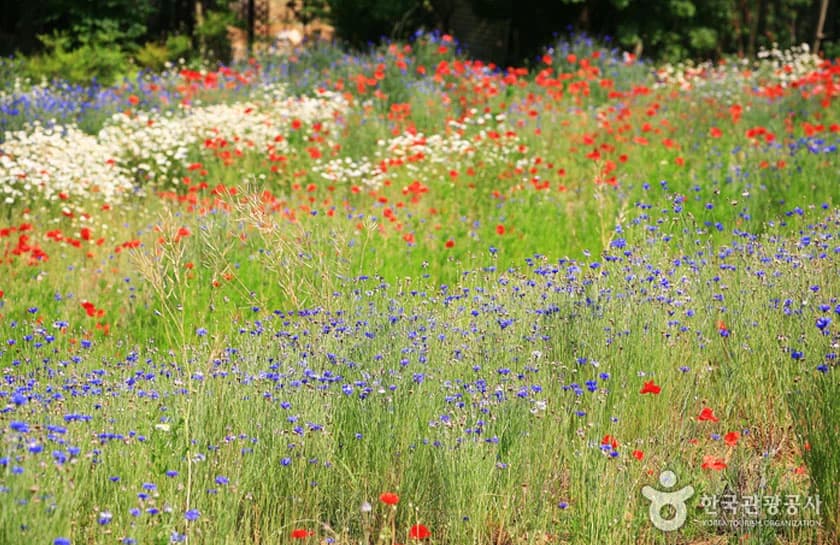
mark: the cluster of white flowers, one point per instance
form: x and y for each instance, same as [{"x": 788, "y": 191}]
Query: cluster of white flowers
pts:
[
  {"x": 773, "y": 66},
  {"x": 58, "y": 162},
  {"x": 352, "y": 171},
  {"x": 484, "y": 137},
  {"x": 16, "y": 87},
  {"x": 789, "y": 65},
  {"x": 63, "y": 161}
]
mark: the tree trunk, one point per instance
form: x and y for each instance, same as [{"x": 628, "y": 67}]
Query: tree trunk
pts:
[
  {"x": 199, "y": 20},
  {"x": 252, "y": 13},
  {"x": 736, "y": 25},
  {"x": 749, "y": 27},
  {"x": 761, "y": 26},
  {"x": 820, "y": 26}
]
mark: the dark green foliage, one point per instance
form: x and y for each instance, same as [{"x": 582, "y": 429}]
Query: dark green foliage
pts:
[
  {"x": 77, "y": 40},
  {"x": 212, "y": 35},
  {"x": 666, "y": 29},
  {"x": 361, "y": 21},
  {"x": 82, "y": 21},
  {"x": 92, "y": 49}
]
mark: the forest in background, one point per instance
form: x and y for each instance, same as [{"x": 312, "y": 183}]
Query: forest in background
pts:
[{"x": 81, "y": 39}]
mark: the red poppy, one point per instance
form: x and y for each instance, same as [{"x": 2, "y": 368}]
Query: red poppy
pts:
[
  {"x": 710, "y": 462},
  {"x": 731, "y": 438},
  {"x": 418, "y": 531},
  {"x": 638, "y": 454},
  {"x": 707, "y": 414},
  {"x": 301, "y": 533},
  {"x": 610, "y": 440},
  {"x": 650, "y": 387},
  {"x": 389, "y": 498},
  {"x": 91, "y": 309},
  {"x": 450, "y": 243}
]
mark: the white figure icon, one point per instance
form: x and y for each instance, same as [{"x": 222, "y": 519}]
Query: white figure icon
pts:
[{"x": 676, "y": 498}]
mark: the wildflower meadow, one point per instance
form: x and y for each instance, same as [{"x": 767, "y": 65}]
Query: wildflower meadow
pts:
[{"x": 405, "y": 296}]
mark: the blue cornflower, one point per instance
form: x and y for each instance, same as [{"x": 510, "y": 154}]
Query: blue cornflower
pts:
[
  {"x": 192, "y": 514},
  {"x": 20, "y": 427}
]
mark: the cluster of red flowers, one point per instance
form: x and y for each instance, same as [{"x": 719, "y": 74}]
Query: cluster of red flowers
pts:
[{"x": 416, "y": 532}]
